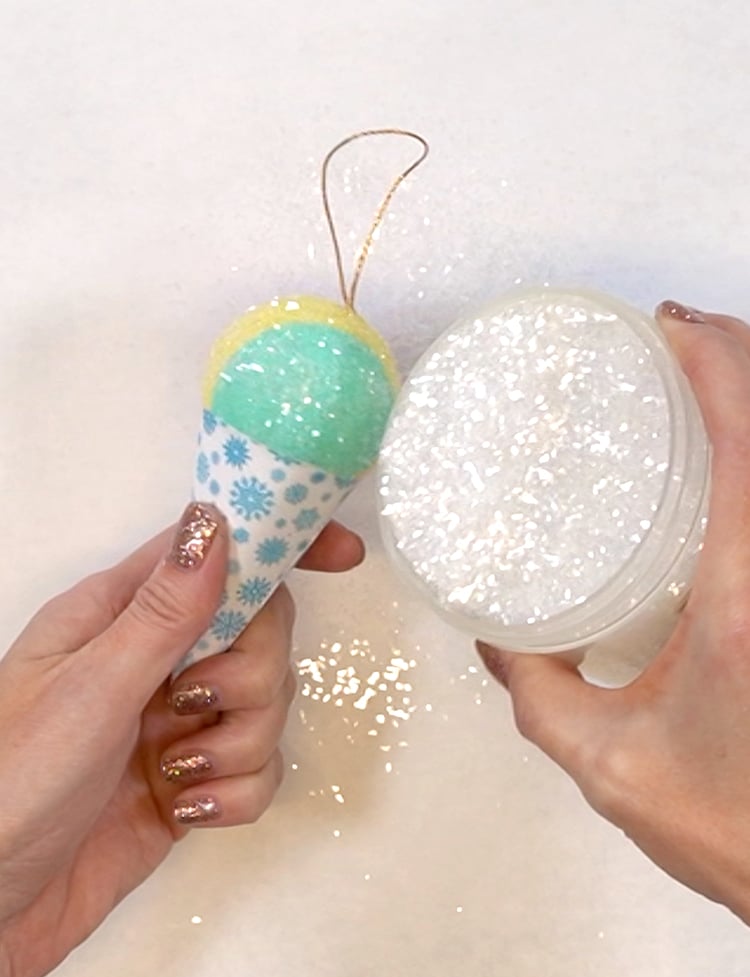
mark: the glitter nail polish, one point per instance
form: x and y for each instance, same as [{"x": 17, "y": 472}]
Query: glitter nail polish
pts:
[
  {"x": 197, "y": 810},
  {"x": 682, "y": 313},
  {"x": 194, "y": 535},
  {"x": 544, "y": 475},
  {"x": 189, "y": 700},
  {"x": 185, "y": 768}
]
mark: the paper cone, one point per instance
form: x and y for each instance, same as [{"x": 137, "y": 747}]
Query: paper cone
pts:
[{"x": 275, "y": 508}]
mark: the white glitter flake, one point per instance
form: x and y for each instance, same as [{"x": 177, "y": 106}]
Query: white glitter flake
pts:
[{"x": 525, "y": 460}]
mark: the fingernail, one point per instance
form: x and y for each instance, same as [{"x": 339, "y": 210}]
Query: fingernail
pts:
[
  {"x": 493, "y": 662},
  {"x": 194, "y": 535},
  {"x": 192, "y": 699},
  {"x": 682, "y": 313},
  {"x": 198, "y": 810},
  {"x": 183, "y": 768}
]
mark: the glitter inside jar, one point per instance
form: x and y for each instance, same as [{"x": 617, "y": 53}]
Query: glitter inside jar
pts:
[{"x": 544, "y": 472}]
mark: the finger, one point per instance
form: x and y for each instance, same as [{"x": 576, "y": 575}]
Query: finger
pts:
[
  {"x": 169, "y": 611},
  {"x": 731, "y": 325},
  {"x": 76, "y": 616},
  {"x": 242, "y": 742},
  {"x": 718, "y": 369},
  {"x": 336, "y": 549},
  {"x": 553, "y": 706},
  {"x": 230, "y": 801},
  {"x": 250, "y": 674}
]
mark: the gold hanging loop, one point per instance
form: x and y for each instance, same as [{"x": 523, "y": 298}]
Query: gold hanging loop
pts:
[{"x": 348, "y": 294}]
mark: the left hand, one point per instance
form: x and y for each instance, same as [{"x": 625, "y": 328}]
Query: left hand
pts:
[{"x": 103, "y": 766}]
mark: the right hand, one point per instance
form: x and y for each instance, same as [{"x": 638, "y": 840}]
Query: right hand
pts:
[{"x": 667, "y": 759}]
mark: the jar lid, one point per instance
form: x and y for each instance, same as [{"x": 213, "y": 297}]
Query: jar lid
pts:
[{"x": 527, "y": 462}]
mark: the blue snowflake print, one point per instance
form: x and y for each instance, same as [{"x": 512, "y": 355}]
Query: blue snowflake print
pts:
[
  {"x": 307, "y": 518},
  {"x": 278, "y": 475},
  {"x": 303, "y": 545},
  {"x": 280, "y": 523},
  {"x": 202, "y": 645},
  {"x": 224, "y": 598},
  {"x": 215, "y": 457},
  {"x": 233, "y": 567},
  {"x": 296, "y": 493},
  {"x": 214, "y": 488},
  {"x": 254, "y": 591},
  {"x": 236, "y": 451},
  {"x": 271, "y": 550},
  {"x": 202, "y": 468},
  {"x": 317, "y": 477},
  {"x": 228, "y": 624},
  {"x": 326, "y": 498},
  {"x": 209, "y": 422},
  {"x": 240, "y": 535},
  {"x": 343, "y": 483},
  {"x": 251, "y": 498}
]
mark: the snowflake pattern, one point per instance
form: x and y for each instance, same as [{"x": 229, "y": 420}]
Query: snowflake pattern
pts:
[
  {"x": 274, "y": 508},
  {"x": 202, "y": 468},
  {"x": 228, "y": 624},
  {"x": 272, "y": 550},
  {"x": 251, "y": 498},
  {"x": 236, "y": 451},
  {"x": 306, "y": 518},
  {"x": 296, "y": 493},
  {"x": 254, "y": 591}
]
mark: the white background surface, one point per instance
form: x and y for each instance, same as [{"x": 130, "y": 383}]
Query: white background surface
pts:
[{"x": 157, "y": 176}]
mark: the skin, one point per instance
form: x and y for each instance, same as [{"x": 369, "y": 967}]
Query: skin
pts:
[
  {"x": 86, "y": 721},
  {"x": 667, "y": 759}
]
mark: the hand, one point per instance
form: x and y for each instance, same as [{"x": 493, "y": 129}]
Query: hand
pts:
[
  {"x": 102, "y": 766},
  {"x": 667, "y": 759}
]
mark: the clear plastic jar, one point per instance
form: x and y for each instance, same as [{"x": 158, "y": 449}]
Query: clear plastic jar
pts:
[{"x": 544, "y": 476}]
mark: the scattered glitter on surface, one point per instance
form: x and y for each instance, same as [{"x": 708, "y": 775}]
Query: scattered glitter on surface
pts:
[{"x": 352, "y": 679}]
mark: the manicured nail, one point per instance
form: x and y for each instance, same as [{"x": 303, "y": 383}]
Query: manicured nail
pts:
[
  {"x": 198, "y": 810},
  {"x": 493, "y": 662},
  {"x": 192, "y": 699},
  {"x": 194, "y": 535},
  {"x": 682, "y": 313},
  {"x": 184, "y": 768}
]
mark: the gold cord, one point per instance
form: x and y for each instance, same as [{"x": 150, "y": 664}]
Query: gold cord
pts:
[{"x": 349, "y": 294}]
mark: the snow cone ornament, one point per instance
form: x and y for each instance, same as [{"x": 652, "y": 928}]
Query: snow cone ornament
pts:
[{"x": 296, "y": 398}]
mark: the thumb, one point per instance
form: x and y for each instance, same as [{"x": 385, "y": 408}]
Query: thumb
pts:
[
  {"x": 552, "y": 704},
  {"x": 170, "y": 610}
]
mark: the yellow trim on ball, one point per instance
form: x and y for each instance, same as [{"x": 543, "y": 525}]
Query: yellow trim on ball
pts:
[{"x": 281, "y": 312}]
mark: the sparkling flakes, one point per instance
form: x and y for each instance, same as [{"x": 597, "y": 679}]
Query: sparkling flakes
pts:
[
  {"x": 354, "y": 681},
  {"x": 526, "y": 458}
]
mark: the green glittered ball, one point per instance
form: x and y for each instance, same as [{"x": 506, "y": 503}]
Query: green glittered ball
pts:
[{"x": 310, "y": 391}]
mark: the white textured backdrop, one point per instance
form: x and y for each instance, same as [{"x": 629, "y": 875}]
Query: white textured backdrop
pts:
[{"x": 157, "y": 175}]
